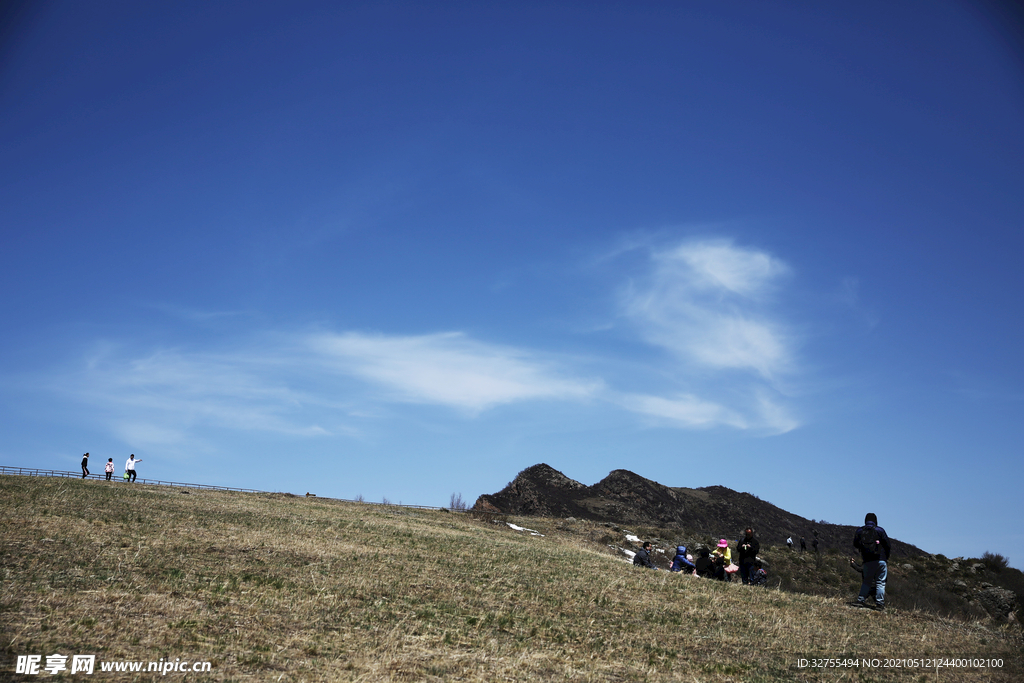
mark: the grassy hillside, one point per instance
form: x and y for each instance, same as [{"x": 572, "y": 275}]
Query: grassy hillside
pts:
[
  {"x": 929, "y": 583},
  {"x": 273, "y": 587}
]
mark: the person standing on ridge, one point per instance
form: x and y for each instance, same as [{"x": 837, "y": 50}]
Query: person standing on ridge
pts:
[
  {"x": 873, "y": 544},
  {"x": 748, "y": 549},
  {"x": 109, "y": 468},
  {"x": 85, "y": 466},
  {"x": 129, "y": 467},
  {"x": 803, "y": 544}
]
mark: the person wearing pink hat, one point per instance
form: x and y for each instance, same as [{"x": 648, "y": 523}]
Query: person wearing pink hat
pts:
[{"x": 724, "y": 551}]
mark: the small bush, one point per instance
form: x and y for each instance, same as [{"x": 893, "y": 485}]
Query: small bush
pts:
[
  {"x": 456, "y": 503},
  {"x": 994, "y": 561}
]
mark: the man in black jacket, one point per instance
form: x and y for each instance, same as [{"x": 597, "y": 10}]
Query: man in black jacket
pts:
[
  {"x": 748, "y": 548},
  {"x": 873, "y": 544},
  {"x": 643, "y": 556}
]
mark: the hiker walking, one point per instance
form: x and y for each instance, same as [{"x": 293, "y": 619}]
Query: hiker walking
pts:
[
  {"x": 873, "y": 544},
  {"x": 129, "y": 467},
  {"x": 803, "y": 544},
  {"x": 85, "y": 466},
  {"x": 789, "y": 542},
  {"x": 109, "y": 468}
]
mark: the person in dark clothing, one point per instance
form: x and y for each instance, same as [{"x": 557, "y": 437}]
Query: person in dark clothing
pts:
[
  {"x": 679, "y": 562},
  {"x": 803, "y": 545},
  {"x": 814, "y": 543},
  {"x": 748, "y": 548},
  {"x": 643, "y": 556},
  {"x": 704, "y": 565},
  {"x": 859, "y": 568},
  {"x": 85, "y": 466},
  {"x": 718, "y": 568},
  {"x": 758, "y": 576},
  {"x": 873, "y": 544}
]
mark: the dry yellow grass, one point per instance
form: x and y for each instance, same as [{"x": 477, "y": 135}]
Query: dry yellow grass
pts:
[{"x": 278, "y": 588}]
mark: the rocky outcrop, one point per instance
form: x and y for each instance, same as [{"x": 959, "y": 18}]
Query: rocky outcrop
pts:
[
  {"x": 540, "y": 490},
  {"x": 624, "y": 497},
  {"x": 1000, "y": 603}
]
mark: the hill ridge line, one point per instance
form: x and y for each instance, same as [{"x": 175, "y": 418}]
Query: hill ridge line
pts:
[
  {"x": 625, "y": 497},
  {"x": 65, "y": 474}
]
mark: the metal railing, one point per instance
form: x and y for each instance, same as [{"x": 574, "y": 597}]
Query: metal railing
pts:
[{"x": 32, "y": 472}]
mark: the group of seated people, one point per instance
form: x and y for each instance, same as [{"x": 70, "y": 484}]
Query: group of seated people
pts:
[{"x": 716, "y": 564}]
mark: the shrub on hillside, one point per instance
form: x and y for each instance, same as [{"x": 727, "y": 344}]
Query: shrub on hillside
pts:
[
  {"x": 457, "y": 503},
  {"x": 994, "y": 561}
]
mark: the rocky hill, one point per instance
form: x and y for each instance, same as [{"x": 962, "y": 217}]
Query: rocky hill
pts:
[{"x": 624, "y": 497}]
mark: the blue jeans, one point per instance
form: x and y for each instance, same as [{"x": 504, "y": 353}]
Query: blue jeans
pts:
[{"x": 873, "y": 581}]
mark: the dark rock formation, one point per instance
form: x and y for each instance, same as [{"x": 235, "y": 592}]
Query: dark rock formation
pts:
[
  {"x": 1000, "y": 603},
  {"x": 624, "y": 497}
]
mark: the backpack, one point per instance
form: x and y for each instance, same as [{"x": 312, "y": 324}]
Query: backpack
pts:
[{"x": 870, "y": 541}]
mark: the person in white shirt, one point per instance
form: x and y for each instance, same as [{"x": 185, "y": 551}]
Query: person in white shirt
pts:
[{"x": 129, "y": 466}]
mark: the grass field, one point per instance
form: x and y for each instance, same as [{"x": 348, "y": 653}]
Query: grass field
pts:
[{"x": 270, "y": 587}]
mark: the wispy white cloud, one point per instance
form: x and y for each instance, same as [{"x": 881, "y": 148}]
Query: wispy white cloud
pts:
[
  {"x": 709, "y": 304},
  {"x": 448, "y": 369},
  {"x": 755, "y": 411},
  {"x": 771, "y": 415},
  {"x": 161, "y": 397},
  {"x": 683, "y": 410},
  {"x": 297, "y": 383}
]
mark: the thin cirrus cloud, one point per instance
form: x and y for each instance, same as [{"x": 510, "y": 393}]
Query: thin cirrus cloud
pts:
[
  {"x": 684, "y": 410},
  {"x": 164, "y": 397},
  {"x": 708, "y": 303},
  {"x": 448, "y": 369},
  {"x": 302, "y": 381}
]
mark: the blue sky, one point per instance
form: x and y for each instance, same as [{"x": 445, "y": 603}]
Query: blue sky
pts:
[{"x": 403, "y": 250}]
